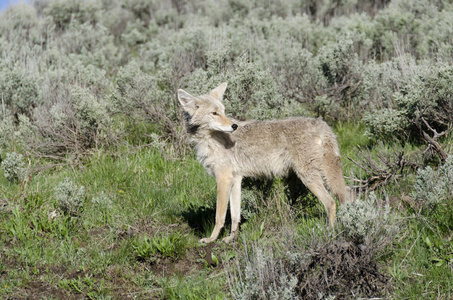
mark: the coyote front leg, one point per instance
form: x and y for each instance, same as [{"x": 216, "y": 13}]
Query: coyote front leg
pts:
[
  {"x": 235, "y": 209},
  {"x": 224, "y": 183}
]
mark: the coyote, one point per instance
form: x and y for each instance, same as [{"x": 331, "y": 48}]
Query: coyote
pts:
[{"x": 231, "y": 150}]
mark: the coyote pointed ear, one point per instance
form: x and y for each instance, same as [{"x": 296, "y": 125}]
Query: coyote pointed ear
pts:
[
  {"x": 187, "y": 101},
  {"x": 219, "y": 91}
]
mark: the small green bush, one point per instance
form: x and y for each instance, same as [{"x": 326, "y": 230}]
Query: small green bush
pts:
[
  {"x": 386, "y": 123},
  {"x": 434, "y": 194},
  {"x": 19, "y": 90},
  {"x": 14, "y": 167},
  {"x": 262, "y": 277},
  {"x": 102, "y": 201},
  {"x": 6, "y": 129},
  {"x": 69, "y": 197},
  {"x": 361, "y": 220}
]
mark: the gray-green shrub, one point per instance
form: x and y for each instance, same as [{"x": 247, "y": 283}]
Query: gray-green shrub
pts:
[
  {"x": 433, "y": 194},
  {"x": 69, "y": 197},
  {"x": 362, "y": 219},
  {"x": 77, "y": 122},
  {"x": 421, "y": 103},
  {"x": 14, "y": 167},
  {"x": 331, "y": 59},
  {"x": 434, "y": 187},
  {"x": 102, "y": 201},
  {"x": 261, "y": 276},
  {"x": 6, "y": 129},
  {"x": 19, "y": 90}
]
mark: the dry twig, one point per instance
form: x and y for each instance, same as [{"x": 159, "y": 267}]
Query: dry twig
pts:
[{"x": 381, "y": 170}]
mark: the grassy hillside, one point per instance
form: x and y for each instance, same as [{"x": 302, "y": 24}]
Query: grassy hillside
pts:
[{"x": 101, "y": 196}]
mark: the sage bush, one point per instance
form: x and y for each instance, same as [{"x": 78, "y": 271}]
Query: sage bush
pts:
[
  {"x": 433, "y": 195},
  {"x": 69, "y": 197},
  {"x": 340, "y": 61},
  {"x": 13, "y": 167}
]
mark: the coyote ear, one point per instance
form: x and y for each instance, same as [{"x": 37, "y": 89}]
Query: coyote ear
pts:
[
  {"x": 184, "y": 97},
  {"x": 187, "y": 101},
  {"x": 219, "y": 91}
]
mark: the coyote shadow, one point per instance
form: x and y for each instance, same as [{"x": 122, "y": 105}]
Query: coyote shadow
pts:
[
  {"x": 297, "y": 195},
  {"x": 202, "y": 218}
]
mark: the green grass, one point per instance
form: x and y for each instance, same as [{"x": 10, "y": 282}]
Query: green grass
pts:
[
  {"x": 125, "y": 197},
  {"x": 137, "y": 232}
]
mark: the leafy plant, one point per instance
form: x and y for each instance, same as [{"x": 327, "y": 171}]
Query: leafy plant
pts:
[
  {"x": 143, "y": 247},
  {"x": 172, "y": 245}
]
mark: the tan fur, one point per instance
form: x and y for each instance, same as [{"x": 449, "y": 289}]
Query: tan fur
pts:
[{"x": 231, "y": 150}]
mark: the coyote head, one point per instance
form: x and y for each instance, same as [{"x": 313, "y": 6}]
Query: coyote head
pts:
[{"x": 207, "y": 111}]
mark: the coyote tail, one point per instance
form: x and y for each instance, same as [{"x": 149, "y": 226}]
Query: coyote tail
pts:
[{"x": 333, "y": 174}]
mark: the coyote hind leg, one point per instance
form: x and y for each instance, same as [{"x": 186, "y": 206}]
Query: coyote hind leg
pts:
[{"x": 316, "y": 186}]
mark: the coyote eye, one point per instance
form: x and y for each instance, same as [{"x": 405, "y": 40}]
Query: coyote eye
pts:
[{"x": 214, "y": 113}]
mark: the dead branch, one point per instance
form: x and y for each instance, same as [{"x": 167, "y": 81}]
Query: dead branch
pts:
[
  {"x": 432, "y": 141},
  {"x": 382, "y": 168}
]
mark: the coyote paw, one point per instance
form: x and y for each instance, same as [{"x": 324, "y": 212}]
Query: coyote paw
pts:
[
  {"x": 206, "y": 240},
  {"x": 229, "y": 239}
]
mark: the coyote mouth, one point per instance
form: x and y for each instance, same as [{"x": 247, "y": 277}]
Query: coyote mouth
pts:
[{"x": 226, "y": 129}]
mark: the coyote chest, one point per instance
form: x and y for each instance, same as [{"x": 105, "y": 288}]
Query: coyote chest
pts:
[{"x": 214, "y": 152}]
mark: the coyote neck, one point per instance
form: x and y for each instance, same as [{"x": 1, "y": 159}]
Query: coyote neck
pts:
[{"x": 210, "y": 145}]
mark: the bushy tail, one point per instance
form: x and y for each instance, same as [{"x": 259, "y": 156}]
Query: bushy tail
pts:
[{"x": 333, "y": 173}]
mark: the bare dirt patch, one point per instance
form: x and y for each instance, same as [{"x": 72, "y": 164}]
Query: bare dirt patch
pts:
[{"x": 38, "y": 289}]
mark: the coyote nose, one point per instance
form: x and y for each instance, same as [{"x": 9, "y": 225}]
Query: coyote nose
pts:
[{"x": 234, "y": 126}]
